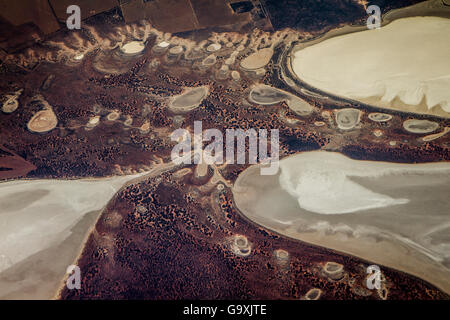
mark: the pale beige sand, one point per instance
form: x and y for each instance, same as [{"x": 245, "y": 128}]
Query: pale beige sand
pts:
[
  {"x": 112, "y": 116},
  {"x": 397, "y": 215},
  {"x": 163, "y": 44},
  {"x": 266, "y": 95},
  {"x": 435, "y": 136},
  {"x": 189, "y": 100},
  {"x": 209, "y": 61},
  {"x": 79, "y": 57},
  {"x": 257, "y": 60},
  {"x": 43, "y": 224},
  {"x": 313, "y": 294},
  {"x": 176, "y": 50},
  {"x": 12, "y": 103},
  {"x": 133, "y": 47},
  {"x": 201, "y": 170},
  {"x": 402, "y": 66},
  {"x": 379, "y": 117},
  {"x": 420, "y": 126},
  {"x": 40, "y": 275},
  {"x": 213, "y": 47},
  {"x": 43, "y": 121},
  {"x": 235, "y": 75},
  {"x": 348, "y": 118}
]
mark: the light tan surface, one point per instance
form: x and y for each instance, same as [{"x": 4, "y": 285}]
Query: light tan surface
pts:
[
  {"x": 257, "y": 60},
  {"x": 266, "y": 95},
  {"x": 299, "y": 106},
  {"x": 43, "y": 226},
  {"x": 201, "y": 170},
  {"x": 348, "y": 118},
  {"x": 43, "y": 121},
  {"x": 402, "y": 66},
  {"x": 189, "y": 100},
  {"x": 133, "y": 47},
  {"x": 88, "y": 7},
  {"x": 38, "y": 12},
  {"x": 11, "y": 104},
  {"x": 420, "y": 126},
  {"x": 435, "y": 136}
]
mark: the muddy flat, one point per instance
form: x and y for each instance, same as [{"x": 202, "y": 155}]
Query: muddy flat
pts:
[
  {"x": 44, "y": 225},
  {"x": 396, "y": 215},
  {"x": 402, "y": 66}
]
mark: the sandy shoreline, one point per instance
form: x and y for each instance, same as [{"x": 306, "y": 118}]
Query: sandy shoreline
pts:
[
  {"x": 409, "y": 236},
  {"x": 379, "y": 72}
]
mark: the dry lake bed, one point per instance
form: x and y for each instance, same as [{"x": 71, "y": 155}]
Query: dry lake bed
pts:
[{"x": 393, "y": 214}]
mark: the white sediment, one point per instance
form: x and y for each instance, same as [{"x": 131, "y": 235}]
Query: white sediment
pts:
[
  {"x": 213, "y": 47},
  {"x": 403, "y": 65},
  {"x": 133, "y": 47},
  {"x": 325, "y": 187},
  {"x": 392, "y": 214},
  {"x": 265, "y": 95}
]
